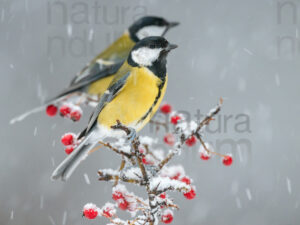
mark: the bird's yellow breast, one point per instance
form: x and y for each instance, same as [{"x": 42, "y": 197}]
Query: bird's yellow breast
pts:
[{"x": 135, "y": 99}]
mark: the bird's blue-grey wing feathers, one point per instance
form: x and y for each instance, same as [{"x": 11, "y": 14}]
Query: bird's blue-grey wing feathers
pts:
[{"x": 109, "y": 94}]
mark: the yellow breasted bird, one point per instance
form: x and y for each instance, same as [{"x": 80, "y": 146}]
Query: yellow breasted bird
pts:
[
  {"x": 98, "y": 74},
  {"x": 132, "y": 98},
  {"x": 95, "y": 78}
]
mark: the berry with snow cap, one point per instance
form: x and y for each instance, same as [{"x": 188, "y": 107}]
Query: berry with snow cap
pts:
[
  {"x": 68, "y": 139},
  {"x": 169, "y": 139},
  {"x": 108, "y": 210},
  {"x": 90, "y": 211},
  {"x": 191, "y": 141},
  {"x": 51, "y": 110},
  {"x": 176, "y": 176},
  {"x": 65, "y": 110},
  {"x": 117, "y": 195},
  {"x": 75, "y": 115},
  {"x": 147, "y": 161},
  {"x": 190, "y": 194},
  {"x": 123, "y": 204},
  {"x": 186, "y": 180},
  {"x": 167, "y": 216},
  {"x": 204, "y": 154},
  {"x": 166, "y": 108}
]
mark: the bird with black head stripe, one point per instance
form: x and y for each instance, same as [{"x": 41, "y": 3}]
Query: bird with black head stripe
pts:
[
  {"x": 94, "y": 79},
  {"x": 133, "y": 97}
]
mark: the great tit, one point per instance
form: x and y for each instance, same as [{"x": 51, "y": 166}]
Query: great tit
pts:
[
  {"x": 95, "y": 78},
  {"x": 133, "y": 97}
]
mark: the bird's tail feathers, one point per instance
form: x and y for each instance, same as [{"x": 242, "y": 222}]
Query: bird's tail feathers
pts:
[{"x": 67, "y": 167}]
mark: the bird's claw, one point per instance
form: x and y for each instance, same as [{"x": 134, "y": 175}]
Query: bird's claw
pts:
[{"x": 132, "y": 134}]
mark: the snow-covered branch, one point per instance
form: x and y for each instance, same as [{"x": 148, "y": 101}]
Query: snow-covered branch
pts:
[{"x": 144, "y": 164}]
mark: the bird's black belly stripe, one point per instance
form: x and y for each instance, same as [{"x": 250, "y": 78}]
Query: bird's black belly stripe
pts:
[{"x": 160, "y": 87}]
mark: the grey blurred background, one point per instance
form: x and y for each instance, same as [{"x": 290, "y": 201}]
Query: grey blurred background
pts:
[{"x": 245, "y": 51}]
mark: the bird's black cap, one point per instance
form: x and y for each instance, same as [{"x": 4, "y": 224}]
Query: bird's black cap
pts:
[{"x": 149, "y": 21}]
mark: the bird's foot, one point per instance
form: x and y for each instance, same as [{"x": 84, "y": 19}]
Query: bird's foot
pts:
[{"x": 131, "y": 134}]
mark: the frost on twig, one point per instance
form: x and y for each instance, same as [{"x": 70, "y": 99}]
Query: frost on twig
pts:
[{"x": 145, "y": 165}]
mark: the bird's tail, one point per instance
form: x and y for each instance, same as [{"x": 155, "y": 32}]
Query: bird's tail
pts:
[{"x": 67, "y": 167}]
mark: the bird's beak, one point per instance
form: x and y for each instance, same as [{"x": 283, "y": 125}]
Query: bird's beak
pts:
[
  {"x": 171, "y": 46},
  {"x": 173, "y": 24},
  {"x": 169, "y": 26}
]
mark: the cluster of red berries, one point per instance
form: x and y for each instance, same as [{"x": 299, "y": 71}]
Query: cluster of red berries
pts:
[
  {"x": 169, "y": 138},
  {"x": 120, "y": 195},
  {"x": 91, "y": 211},
  {"x": 67, "y": 110},
  {"x": 167, "y": 109},
  {"x": 70, "y": 141},
  {"x": 191, "y": 194},
  {"x": 108, "y": 210},
  {"x": 205, "y": 155}
]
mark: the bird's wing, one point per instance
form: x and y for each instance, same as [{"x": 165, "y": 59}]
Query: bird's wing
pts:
[
  {"x": 114, "y": 88},
  {"x": 95, "y": 74},
  {"x": 95, "y": 67}
]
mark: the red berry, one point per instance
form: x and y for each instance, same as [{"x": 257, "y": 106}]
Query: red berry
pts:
[
  {"x": 69, "y": 150},
  {"x": 108, "y": 210},
  {"x": 141, "y": 150},
  {"x": 65, "y": 110},
  {"x": 204, "y": 155},
  {"x": 186, "y": 180},
  {"x": 166, "y": 108},
  {"x": 51, "y": 110},
  {"x": 107, "y": 213},
  {"x": 117, "y": 195},
  {"x": 67, "y": 139},
  {"x": 146, "y": 162},
  {"x": 169, "y": 139},
  {"x": 167, "y": 217},
  {"x": 176, "y": 176},
  {"x": 123, "y": 204},
  {"x": 191, "y": 141},
  {"x": 175, "y": 119},
  {"x": 90, "y": 211},
  {"x": 191, "y": 194},
  {"x": 75, "y": 115},
  {"x": 163, "y": 195},
  {"x": 227, "y": 160}
]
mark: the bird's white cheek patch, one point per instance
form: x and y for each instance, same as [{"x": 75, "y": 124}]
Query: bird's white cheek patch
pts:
[{"x": 145, "y": 56}]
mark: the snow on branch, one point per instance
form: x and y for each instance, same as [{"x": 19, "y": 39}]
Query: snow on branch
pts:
[{"x": 144, "y": 164}]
